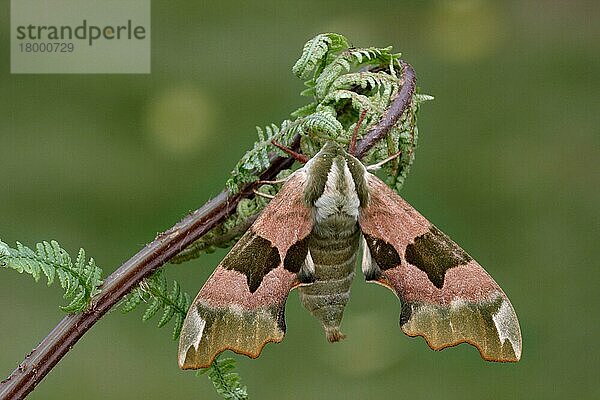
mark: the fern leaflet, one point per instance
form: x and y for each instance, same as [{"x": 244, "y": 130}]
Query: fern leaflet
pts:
[
  {"x": 154, "y": 291},
  {"x": 315, "y": 53},
  {"x": 226, "y": 382},
  {"x": 80, "y": 279}
]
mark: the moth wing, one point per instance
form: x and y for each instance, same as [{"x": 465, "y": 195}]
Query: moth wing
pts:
[
  {"x": 446, "y": 296},
  {"x": 241, "y": 306}
]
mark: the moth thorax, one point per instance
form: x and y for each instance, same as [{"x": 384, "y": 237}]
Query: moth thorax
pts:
[{"x": 339, "y": 198}]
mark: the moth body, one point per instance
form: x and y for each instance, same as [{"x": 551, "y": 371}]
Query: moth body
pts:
[{"x": 335, "y": 237}]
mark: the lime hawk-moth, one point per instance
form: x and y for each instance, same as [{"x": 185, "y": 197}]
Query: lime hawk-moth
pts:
[{"x": 309, "y": 237}]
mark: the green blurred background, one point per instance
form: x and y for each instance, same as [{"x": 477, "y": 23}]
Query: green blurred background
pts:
[{"x": 507, "y": 166}]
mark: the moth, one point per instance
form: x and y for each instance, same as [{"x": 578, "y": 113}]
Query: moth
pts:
[{"x": 309, "y": 237}]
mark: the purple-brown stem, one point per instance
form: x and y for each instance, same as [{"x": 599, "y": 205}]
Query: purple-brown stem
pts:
[
  {"x": 392, "y": 114},
  {"x": 71, "y": 328}
]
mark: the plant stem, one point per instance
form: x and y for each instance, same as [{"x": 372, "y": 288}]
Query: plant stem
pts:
[
  {"x": 71, "y": 328},
  {"x": 392, "y": 114}
]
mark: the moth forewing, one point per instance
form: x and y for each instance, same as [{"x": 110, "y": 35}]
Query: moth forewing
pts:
[
  {"x": 241, "y": 306},
  {"x": 447, "y": 297}
]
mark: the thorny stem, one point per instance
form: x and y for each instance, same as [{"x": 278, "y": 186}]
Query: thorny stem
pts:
[{"x": 71, "y": 328}]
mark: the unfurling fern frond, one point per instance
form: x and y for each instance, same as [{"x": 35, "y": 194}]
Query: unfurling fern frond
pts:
[
  {"x": 343, "y": 82},
  {"x": 226, "y": 382},
  {"x": 80, "y": 279},
  {"x": 315, "y": 52},
  {"x": 155, "y": 292}
]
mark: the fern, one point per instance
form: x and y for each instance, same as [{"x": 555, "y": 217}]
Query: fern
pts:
[
  {"x": 257, "y": 159},
  {"x": 315, "y": 53},
  {"x": 404, "y": 137},
  {"x": 226, "y": 382},
  {"x": 80, "y": 279},
  {"x": 343, "y": 83},
  {"x": 154, "y": 291}
]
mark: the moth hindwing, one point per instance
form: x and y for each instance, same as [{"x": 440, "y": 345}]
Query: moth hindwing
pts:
[{"x": 308, "y": 237}]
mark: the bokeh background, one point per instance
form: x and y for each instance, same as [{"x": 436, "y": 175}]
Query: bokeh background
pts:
[{"x": 507, "y": 165}]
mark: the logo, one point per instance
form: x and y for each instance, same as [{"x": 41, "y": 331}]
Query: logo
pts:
[{"x": 80, "y": 36}]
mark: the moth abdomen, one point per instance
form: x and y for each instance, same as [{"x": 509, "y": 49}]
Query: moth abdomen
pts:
[
  {"x": 327, "y": 286},
  {"x": 334, "y": 260}
]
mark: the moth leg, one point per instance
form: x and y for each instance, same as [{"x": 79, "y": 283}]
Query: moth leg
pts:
[
  {"x": 266, "y": 196},
  {"x": 381, "y": 163},
  {"x": 297, "y": 156},
  {"x": 275, "y": 182},
  {"x": 352, "y": 147}
]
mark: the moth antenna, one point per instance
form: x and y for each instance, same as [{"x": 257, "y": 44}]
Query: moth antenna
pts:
[
  {"x": 375, "y": 167},
  {"x": 297, "y": 156},
  {"x": 267, "y": 196},
  {"x": 352, "y": 147}
]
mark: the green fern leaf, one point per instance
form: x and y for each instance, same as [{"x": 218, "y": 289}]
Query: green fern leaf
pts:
[
  {"x": 315, "y": 51},
  {"x": 225, "y": 380},
  {"x": 168, "y": 313},
  {"x": 76, "y": 301},
  {"x": 131, "y": 301},
  {"x": 421, "y": 98},
  {"x": 151, "y": 311},
  {"x": 304, "y": 111},
  {"x": 154, "y": 290},
  {"x": 257, "y": 160},
  {"x": 80, "y": 281},
  {"x": 183, "y": 304},
  {"x": 330, "y": 73}
]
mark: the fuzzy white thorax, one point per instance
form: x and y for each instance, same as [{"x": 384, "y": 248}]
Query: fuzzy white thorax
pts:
[{"x": 338, "y": 198}]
